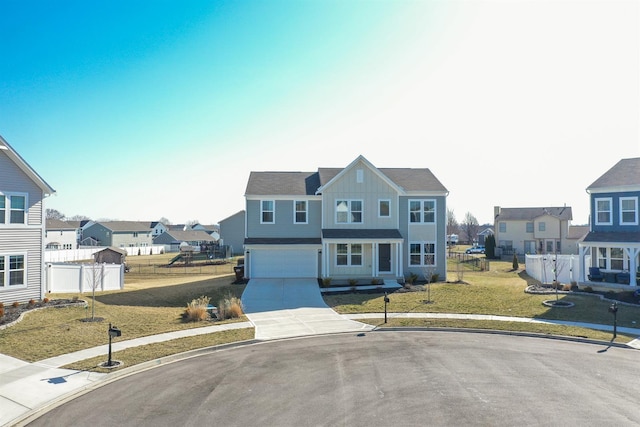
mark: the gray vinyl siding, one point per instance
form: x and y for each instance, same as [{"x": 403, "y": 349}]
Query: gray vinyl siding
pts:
[
  {"x": 12, "y": 179},
  {"x": 424, "y": 232},
  {"x": 28, "y": 241},
  {"x": 232, "y": 232},
  {"x": 284, "y": 226},
  {"x": 370, "y": 191},
  {"x": 100, "y": 233}
]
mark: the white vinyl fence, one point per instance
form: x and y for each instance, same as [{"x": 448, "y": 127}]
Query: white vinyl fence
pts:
[
  {"x": 71, "y": 278},
  {"x": 541, "y": 267},
  {"x": 67, "y": 255}
]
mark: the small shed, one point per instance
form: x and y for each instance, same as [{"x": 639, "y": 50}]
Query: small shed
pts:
[{"x": 110, "y": 255}]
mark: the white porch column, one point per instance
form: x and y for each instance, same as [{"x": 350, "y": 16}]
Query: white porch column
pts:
[
  {"x": 374, "y": 259},
  {"x": 583, "y": 267},
  {"x": 633, "y": 265}
]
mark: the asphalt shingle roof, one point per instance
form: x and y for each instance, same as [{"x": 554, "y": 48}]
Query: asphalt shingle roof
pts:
[
  {"x": 307, "y": 183},
  {"x": 624, "y": 173},
  {"x": 529, "y": 214}
]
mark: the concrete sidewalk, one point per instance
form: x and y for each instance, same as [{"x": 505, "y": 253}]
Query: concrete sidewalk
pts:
[{"x": 26, "y": 388}]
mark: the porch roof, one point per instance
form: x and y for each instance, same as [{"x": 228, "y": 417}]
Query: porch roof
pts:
[
  {"x": 356, "y": 233},
  {"x": 282, "y": 241},
  {"x": 612, "y": 237}
]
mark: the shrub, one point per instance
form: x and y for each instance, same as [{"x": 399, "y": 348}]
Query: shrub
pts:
[
  {"x": 45, "y": 300},
  {"x": 375, "y": 281},
  {"x": 588, "y": 289},
  {"x": 515, "y": 261},
  {"x": 1, "y": 304},
  {"x": 326, "y": 282},
  {"x": 229, "y": 307},
  {"x": 1, "y": 311},
  {"x": 434, "y": 277},
  {"x": 196, "y": 310},
  {"x": 15, "y": 304},
  {"x": 353, "y": 282},
  {"x": 411, "y": 278},
  {"x": 566, "y": 287},
  {"x": 32, "y": 302}
]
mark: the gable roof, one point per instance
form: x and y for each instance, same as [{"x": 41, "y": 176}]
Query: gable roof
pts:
[
  {"x": 186, "y": 236},
  {"x": 310, "y": 183},
  {"x": 625, "y": 173},
  {"x": 57, "y": 224},
  {"x": 126, "y": 226},
  {"x": 529, "y": 214},
  {"x": 24, "y": 166}
]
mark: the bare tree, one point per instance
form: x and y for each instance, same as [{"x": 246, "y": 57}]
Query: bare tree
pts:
[
  {"x": 470, "y": 226},
  {"x": 452, "y": 224},
  {"x": 78, "y": 218},
  {"x": 54, "y": 214},
  {"x": 95, "y": 278},
  {"x": 165, "y": 221}
]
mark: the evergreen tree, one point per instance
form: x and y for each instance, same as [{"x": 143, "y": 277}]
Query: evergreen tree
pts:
[{"x": 490, "y": 246}]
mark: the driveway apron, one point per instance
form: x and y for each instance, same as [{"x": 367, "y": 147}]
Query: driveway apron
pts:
[{"x": 285, "y": 308}]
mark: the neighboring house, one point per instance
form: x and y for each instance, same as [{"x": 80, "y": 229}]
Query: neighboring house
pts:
[
  {"x": 119, "y": 234},
  {"x": 212, "y": 230},
  {"x": 613, "y": 241},
  {"x": 485, "y": 231},
  {"x": 79, "y": 226},
  {"x": 173, "y": 240},
  {"x": 157, "y": 228},
  {"x": 341, "y": 223},
  {"x": 232, "y": 232},
  {"x": 542, "y": 230},
  {"x": 60, "y": 234},
  {"x": 22, "y": 228}
]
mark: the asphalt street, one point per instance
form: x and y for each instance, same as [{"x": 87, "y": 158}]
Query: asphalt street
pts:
[{"x": 376, "y": 378}]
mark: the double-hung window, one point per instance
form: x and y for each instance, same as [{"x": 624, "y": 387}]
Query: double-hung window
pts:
[
  {"x": 267, "y": 212},
  {"x": 422, "y": 253},
  {"x": 13, "y": 208},
  {"x": 628, "y": 211},
  {"x": 349, "y": 254},
  {"x": 603, "y": 211},
  {"x": 300, "y": 212},
  {"x": 422, "y": 211},
  {"x": 348, "y": 211},
  {"x": 12, "y": 268},
  {"x": 529, "y": 227},
  {"x": 384, "y": 208}
]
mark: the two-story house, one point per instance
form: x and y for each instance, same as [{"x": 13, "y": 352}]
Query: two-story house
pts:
[
  {"x": 119, "y": 234},
  {"x": 537, "y": 230},
  {"x": 60, "y": 235},
  {"x": 613, "y": 242},
  {"x": 340, "y": 223},
  {"x": 22, "y": 228}
]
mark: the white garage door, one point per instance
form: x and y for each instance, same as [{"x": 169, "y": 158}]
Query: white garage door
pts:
[{"x": 284, "y": 263}]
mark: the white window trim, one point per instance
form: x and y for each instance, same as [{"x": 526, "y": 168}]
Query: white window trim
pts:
[
  {"x": 595, "y": 207},
  {"x": 349, "y": 211},
  {"x": 7, "y": 210},
  {"x": 5, "y": 285},
  {"x": 422, "y": 253},
  {"x": 389, "y": 202},
  {"x": 349, "y": 254},
  {"x": 262, "y": 211},
  {"x": 422, "y": 202},
  {"x": 306, "y": 212},
  {"x": 635, "y": 211}
]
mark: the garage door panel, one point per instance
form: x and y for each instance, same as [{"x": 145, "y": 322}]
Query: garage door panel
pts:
[{"x": 283, "y": 263}]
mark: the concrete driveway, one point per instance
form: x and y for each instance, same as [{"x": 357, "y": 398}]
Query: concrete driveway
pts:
[{"x": 285, "y": 308}]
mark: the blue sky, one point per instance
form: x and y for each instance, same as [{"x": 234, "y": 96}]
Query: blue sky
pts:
[{"x": 137, "y": 110}]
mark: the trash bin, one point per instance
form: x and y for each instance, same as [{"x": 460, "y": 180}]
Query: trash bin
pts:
[{"x": 239, "y": 270}]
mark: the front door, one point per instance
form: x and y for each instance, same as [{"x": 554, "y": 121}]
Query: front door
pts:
[{"x": 384, "y": 257}]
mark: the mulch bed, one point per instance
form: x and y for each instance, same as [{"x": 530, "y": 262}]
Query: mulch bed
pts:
[{"x": 12, "y": 314}]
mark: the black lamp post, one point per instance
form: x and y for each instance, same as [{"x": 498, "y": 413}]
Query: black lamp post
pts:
[{"x": 386, "y": 301}]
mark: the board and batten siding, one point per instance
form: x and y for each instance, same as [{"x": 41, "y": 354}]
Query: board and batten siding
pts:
[
  {"x": 370, "y": 191},
  {"x": 27, "y": 241},
  {"x": 284, "y": 226}
]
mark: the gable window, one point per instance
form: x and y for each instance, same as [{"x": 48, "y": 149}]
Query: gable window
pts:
[
  {"x": 628, "y": 211},
  {"x": 300, "y": 214},
  {"x": 11, "y": 270},
  {"x": 603, "y": 211},
  {"x": 384, "y": 208},
  {"x": 349, "y": 254},
  {"x": 13, "y": 208},
  {"x": 359, "y": 176},
  {"x": 422, "y": 253},
  {"x": 502, "y": 227},
  {"x": 348, "y": 211},
  {"x": 542, "y": 226},
  {"x": 135, "y": 234},
  {"x": 422, "y": 211},
  {"x": 529, "y": 227},
  {"x": 267, "y": 214}
]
